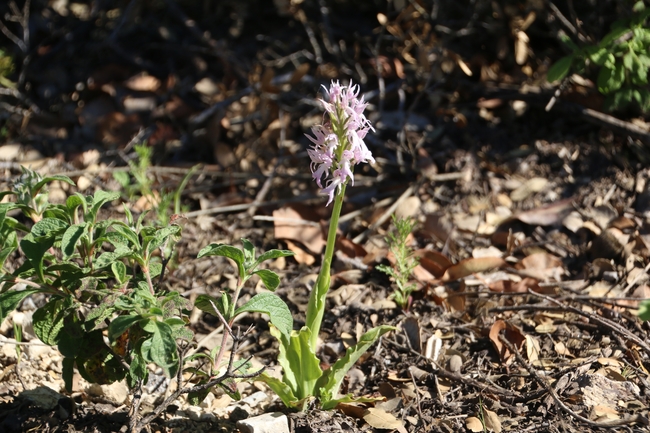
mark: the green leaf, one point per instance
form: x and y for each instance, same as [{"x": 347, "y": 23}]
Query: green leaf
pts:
[
  {"x": 128, "y": 233},
  {"x": 276, "y": 308},
  {"x": 599, "y": 55},
  {"x": 560, "y": 69},
  {"x": 195, "y": 398},
  {"x": 208, "y": 303},
  {"x": 7, "y": 246},
  {"x": 628, "y": 60},
  {"x": 280, "y": 388},
  {"x": 611, "y": 79},
  {"x": 300, "y": 365},
  {"x": 331, "y": 381},
  {"x": 74, "y": 201},
  {"x": 249, "y": 253},
  {"x": 273, "y": 254},
  {"x": 71, "y": 238},
  {"x": 612, "y": 36},
  {"x": 49, "y": 321},
  {"x": 123, "y": 178},
  {"x": 119, "y": 271},
  {"x": 108, "y": 258},
  {"x": 49, "y": 179},
  {"x": 644, "y": 310},
  {"x": 269, "y": 278},
  {"x": 68, "y": 373},
  {"x": 10, "y": 300},
  {"x": 223, "y": 250},
  {"x": 49, "y": 227},
  {"x": 121, "y": 324},
  {"x": 99, "y": 199},
  {"x": 35, "y": 251},
  {"x": 137, "y": 370},
  {"x": 163, "y": 347},
  {"x": 162, "y": 235}
]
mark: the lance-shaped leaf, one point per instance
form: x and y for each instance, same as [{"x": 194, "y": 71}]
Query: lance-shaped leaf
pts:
[
  {"x": 330, "y": 383},
  {"x": 272, "y": 254},
  {"x": 276, "y": 308},
  {"x": 71, "y": 238}
]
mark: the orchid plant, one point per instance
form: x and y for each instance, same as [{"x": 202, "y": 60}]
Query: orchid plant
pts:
[{"x": 338, "y": 146}]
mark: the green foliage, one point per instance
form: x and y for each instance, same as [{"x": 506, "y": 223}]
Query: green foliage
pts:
[
  {"x": 644, "y": 310},
  {"x": 623, "y": 57},
  {"x": 404, "y": 261},
  {"x": 96, "y": 272}
]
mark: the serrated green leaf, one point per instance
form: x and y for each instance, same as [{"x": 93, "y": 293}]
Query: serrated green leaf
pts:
[
  {"x": 331, "y": 381},
  {"x": 560, "y": 69},
  {"x": 49, "y": 227},
  {"x": 70, "y": 239},
  {"x": 11, "y": 299},
  {"x": 276, "y": 308},
  {"x": 121, "y": 324}
]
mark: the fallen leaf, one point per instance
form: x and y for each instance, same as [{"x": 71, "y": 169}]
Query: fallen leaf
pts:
[
  {"x": 492, "y": 421},
  {"x": 301, "y": 256},
  {"x": 551, "y": 214},
  {"x": 511, "y": 333},
  {"x": 474, "y": 424},
  {"x": 528, "y": 188},
  {"x": 290, "y": 224},
  {"x": 381, "y": 419},
  {"x": 471, "y": 266}
]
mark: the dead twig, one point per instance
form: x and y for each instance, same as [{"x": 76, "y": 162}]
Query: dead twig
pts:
[{"x": 614, "y": 423}]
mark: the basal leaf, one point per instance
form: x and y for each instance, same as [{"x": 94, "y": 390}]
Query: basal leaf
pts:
[
  {"x": 300, "y": 365},
  {"x": 280, "y": 388},
  {"x": 269, "y": 278},
  {"x": 276, "y": 308},
  {"x": 331, "y": 381}
]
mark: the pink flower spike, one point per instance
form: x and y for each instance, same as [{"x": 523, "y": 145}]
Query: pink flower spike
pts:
[{"x": 334, "y": 154}]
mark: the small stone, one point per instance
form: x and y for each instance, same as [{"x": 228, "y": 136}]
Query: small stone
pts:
[
  {"x": 37, "y": 349},
  {"x": 117, "y": 392},
  {"x": 255, "y": 398},
  {"x": 194, "y": 413},
  {"x": 275, "y": 422}
]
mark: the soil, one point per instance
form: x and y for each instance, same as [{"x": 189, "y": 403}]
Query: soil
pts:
[{"x": 533, "y": 225}]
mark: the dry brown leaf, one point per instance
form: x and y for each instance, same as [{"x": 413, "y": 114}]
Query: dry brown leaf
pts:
[
  {"x": 471, "y": 266},
  {"x": 381, "y": 419},
  {"x": 511, "y": 333},
  {"x": 290, "y": 224},
  {"x": 432, "y": 261},
  {"x": 529, "y": 187},
  {"x": 492, "y": 421},
  {"x": 547, "y": 215},
  {"x": 473, "y": 424},
  {"x": 301, "y": 256},
  {"x": 532, "y": 348}
]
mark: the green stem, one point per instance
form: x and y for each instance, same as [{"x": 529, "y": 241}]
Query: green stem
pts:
[{"x": 316, "y": 306}]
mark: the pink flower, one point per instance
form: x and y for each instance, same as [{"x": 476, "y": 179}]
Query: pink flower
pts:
[{"x": 338, "y": 144}]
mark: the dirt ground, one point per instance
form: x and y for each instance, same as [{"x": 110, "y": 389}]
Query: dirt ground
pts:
[{"x": 533, "y": 228}]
